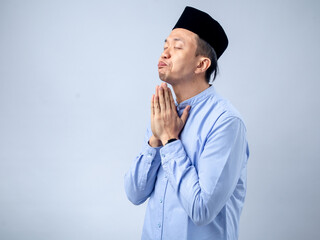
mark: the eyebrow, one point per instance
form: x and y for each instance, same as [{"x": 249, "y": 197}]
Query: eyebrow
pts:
[{"x": 175, "y": 39}]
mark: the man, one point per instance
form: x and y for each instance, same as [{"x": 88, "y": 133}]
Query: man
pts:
[{"x": 192, "y": 166}]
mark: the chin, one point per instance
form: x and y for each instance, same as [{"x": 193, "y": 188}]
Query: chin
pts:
[{"x": 163, "y": 77}]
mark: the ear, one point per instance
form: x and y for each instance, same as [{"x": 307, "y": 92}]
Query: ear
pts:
[{"x": 203, "y": 64}]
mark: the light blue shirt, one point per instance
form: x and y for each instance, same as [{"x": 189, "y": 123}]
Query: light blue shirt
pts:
[{"x": 196, "y": 185}]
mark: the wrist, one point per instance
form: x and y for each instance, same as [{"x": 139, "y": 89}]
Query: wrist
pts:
[
  {"x": 165, "y": 140},
  {"x": 171, "y": 140},
  {"x": 154, "y": 142}
]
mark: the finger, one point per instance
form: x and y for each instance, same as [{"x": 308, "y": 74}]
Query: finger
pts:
[
  {"x": 172, "y": 104},
  {"x": 185, "y": 114},
  {"x": 161, "y": 99},
  {"x": 152, "y": 105},
  {"x": 156, "y": 94},
  {"x": 167, "y": 97},
  {"x": 156, "y": 101},
  {"x": 156, "y": 105}
]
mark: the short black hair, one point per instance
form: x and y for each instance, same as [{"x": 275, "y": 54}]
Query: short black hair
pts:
[{"x": 204, "y": 49}]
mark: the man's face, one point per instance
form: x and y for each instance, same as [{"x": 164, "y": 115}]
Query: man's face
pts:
[{"x": 178, "y": 60}]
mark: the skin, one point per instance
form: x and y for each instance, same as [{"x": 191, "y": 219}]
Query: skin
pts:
[{"x": 185, "y": 72}]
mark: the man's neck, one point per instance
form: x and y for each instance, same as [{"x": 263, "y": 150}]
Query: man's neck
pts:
[{"x": 186, "y": 90}]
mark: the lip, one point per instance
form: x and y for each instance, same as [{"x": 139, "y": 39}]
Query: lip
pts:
[{"x": 162, "y": 64}]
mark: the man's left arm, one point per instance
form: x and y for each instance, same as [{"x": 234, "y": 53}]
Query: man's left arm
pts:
[{"x": 204, "y": 191}]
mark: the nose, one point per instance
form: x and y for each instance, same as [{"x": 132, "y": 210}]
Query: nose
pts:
[{"x": 166, "y": 54}]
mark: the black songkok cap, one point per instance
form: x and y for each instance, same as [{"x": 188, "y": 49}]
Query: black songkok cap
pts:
[{"x": 205, "y": 26}]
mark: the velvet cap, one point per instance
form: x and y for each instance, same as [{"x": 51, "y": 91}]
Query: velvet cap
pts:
[{"x": 205, "y": 27}]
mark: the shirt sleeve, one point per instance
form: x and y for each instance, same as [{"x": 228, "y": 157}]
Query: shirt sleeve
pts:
[
  {"x": 139, "y": 181},
  {"x": 204, "y": 191}
]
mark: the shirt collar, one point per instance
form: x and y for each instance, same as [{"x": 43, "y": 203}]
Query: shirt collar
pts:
[{"x": 210, "y": 91}]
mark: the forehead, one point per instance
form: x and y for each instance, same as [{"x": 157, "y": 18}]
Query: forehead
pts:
[{"x": 183, "y": 35}]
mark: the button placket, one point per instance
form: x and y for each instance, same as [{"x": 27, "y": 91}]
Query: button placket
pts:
[{"x": 161, "y": 202}]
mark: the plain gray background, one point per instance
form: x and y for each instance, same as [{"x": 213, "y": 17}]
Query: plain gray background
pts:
[{"x": 76, "y": 78}]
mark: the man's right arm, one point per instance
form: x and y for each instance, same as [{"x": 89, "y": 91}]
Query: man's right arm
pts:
[{"x": 139, "y": 181}]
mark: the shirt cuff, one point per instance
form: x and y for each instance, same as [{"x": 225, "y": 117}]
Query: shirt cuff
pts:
[
  {"x": 157, "y": 148},
  {"x": 172, "y": 150},
  {"x": 152, "y": 153}
]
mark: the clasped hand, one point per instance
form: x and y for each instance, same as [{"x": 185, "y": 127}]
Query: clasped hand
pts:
[{"x": 165, "y": 121}]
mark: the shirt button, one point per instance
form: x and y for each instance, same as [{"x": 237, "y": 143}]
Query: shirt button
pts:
[
  {"x": 160, "y": 200},
  {"x": 163, "y": 155},
  {"x": 150, "y": 154},
  {"x": 159, "y": 225}
]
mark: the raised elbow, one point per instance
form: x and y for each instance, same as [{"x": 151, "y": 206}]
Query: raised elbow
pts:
[
  {"x": 135, "y": 199},
  {"x": 201, "y": 220},
  {"x": 201, "y": 213},
  {"x": 134, "y": 195}
]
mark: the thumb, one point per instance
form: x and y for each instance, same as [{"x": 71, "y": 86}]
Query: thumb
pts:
[{"x": 185, "y": 114}]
